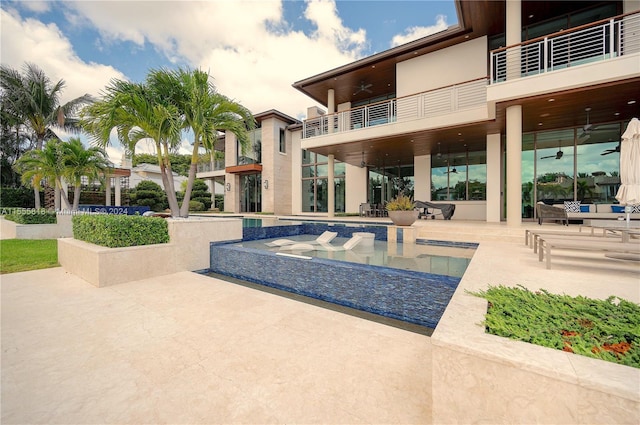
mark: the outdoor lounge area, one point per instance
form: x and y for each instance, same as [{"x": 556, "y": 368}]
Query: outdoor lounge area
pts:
[{"x": 188, "y": 348}]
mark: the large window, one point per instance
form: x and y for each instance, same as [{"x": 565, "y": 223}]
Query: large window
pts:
[
  {"x": 282, "y": 141},
  {"x": 459, "y": 177},
  {"x": 252, "y": 153},
  {"x": 571, "y": 165},
  {"x": 315, "y": 191},
  {"x": 385, "y": 183}
]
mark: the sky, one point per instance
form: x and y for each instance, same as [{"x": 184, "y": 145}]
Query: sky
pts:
[{"x": 254, "y": 50}]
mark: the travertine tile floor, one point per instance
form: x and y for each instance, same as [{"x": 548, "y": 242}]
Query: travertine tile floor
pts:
[{"x": 186, "y": 348}]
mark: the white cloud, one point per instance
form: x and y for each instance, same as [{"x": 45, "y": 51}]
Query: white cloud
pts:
[
  {"x": 30, "y": 40},
  {"x": 247, "y": 47},
  {"x": 414, "y": 33},
  {"x": 37, "y": 6}
]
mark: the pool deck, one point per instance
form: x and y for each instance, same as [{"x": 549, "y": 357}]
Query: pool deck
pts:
[{"x": 186, "y": 348}]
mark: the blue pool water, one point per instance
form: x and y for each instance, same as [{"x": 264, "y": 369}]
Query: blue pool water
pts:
[{"x": 411, "y": 283}]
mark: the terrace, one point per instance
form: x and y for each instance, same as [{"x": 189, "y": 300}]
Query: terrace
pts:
[{"x": 188, "y": 348}]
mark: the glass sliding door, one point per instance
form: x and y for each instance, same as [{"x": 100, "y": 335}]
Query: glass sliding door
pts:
[{"x": 251, "y": 196}]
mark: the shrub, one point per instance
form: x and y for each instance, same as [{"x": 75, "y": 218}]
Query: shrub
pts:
[
  {"x": 149, "y": 194},
  {"x": 401, "y": 203},
  {"x": 196, "y": 206},
  {"x": 18, "y": 197},
  {"x": 219, "y": 203},
  {"x": 31, "y": 216},
  {"x": 200, "y": 193},
  {"x": 120, "y": 230}
]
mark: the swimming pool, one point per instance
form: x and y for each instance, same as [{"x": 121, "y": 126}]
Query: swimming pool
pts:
[{"x": 407, "y": 293}]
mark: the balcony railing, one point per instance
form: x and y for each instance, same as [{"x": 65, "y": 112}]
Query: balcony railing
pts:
[
  {"x": 217, "y": 165},
  {"x": 598, "y": 41},
  {"x": 422, "y": 105}
]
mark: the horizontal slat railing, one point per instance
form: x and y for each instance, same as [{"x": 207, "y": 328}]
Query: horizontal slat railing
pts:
[
  {"x": 598, "y": 41},
  {"x": 426, "y": 104}
]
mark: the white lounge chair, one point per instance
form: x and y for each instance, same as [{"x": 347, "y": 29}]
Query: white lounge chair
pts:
[
  {"x": 326, "y": 237},
  {"x": 301, "y": 247},
  {"x": 598, "y": 244},
  {"x": 350, "y": 244}
]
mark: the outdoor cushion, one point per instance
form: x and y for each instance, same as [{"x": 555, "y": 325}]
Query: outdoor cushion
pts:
[
  {"x": 617, "y": 208},
  {"x": 572, "y": 206},
  {"x": 584, "y": 208}
]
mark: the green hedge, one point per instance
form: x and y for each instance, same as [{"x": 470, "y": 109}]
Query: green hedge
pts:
[
  {"x": 29, "y": 215},
  {"x": 18, "y": 197},
  {"x": 115, "y": 231}
]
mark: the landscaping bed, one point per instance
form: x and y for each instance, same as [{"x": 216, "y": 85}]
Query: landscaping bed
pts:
[{"x": 605, "y": 329}]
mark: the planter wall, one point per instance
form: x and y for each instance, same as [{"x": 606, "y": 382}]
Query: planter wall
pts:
[
  {"x": 187, "y": 250},
  {"x": 102, "y": 266},
  {"x": 12, "y": 230}
]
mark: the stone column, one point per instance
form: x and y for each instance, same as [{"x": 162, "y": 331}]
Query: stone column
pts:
[
  {"x": 331, "y": 109},
  {"x": 118, "y": 191},
  {"x": 513, "y": 36},
  {"x": 494, "y": 186},
  {"x": 107, "y": 191},
  {"x": 514, "y": 165},
  {"x": 331, "y": 192}
]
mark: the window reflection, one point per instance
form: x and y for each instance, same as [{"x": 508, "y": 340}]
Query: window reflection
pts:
[
  {"x": 459, "y": 177},
  {"x": 571, "y": 165}
]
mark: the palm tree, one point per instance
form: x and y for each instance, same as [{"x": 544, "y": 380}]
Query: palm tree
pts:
[
  {"x": 45, "y": 164},
  {"x": 204, "y": 112},
  {"x": 36, "y": 101},
  {"x": 137, "y": 113},
  {"x": 168, "y": 103},
  {"x": 80, "y": 161}
]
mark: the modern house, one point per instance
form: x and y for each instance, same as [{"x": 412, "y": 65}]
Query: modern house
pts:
[{"x": 488, "y": 114}]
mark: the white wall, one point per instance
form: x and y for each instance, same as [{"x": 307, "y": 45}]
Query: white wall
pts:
[
  {"x": 422, "y": 177},
  {"x": 455, "y": 64},
  {"x": 280, "y": 182},
  {"x": 356, "y": 187},
  {"x": 296, "y": 172},
  {"x": 494, "y": 186}
]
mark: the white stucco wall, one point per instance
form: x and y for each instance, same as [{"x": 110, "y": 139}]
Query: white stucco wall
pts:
[
  {"x": 455, "y": 64},
  {"x": 494, "y": 180},
  {"x": 422, "y": 178},
  {"x": 356, "y": 187},
  {"x": 296, "y": 172}
]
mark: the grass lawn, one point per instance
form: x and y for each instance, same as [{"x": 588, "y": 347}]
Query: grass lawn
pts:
[{"x": 20, "y": 255}]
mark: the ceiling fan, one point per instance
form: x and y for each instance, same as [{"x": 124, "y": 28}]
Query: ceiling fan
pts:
[
  {"x": 363, "y": 87},
  {"x": 610, "y": 151},
  {"x": 364, "y": 164},
  {"x": 586, "y": 129},
  {"x": 452, "y": 170},
  {"x": 558, "y": 154}
]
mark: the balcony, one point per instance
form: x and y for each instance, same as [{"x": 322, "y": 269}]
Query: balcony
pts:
[
  {"x": 206, "y": 167},
  {"x": 427, "y": 104},
  {"x": 599, "y": 41}
]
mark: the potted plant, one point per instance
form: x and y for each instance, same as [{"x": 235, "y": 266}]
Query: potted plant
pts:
[{"x": 402, "y": 211}]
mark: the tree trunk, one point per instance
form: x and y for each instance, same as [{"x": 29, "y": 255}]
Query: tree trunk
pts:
[
  {"x": 63, "y": 195},
  {"x": 36, "y": 191},
  {"x": 184, "y": 211},
  {"x": 167, "y": 180},
  {"x": 76, "y": 196}
]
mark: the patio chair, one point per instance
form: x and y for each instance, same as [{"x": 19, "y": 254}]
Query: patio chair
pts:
[
  {"x": 549, "y": 212},
  {"x": 428, "y": 209},
  {"x": 365, "y": 210},
  {"x": 326, "y": 237}
]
